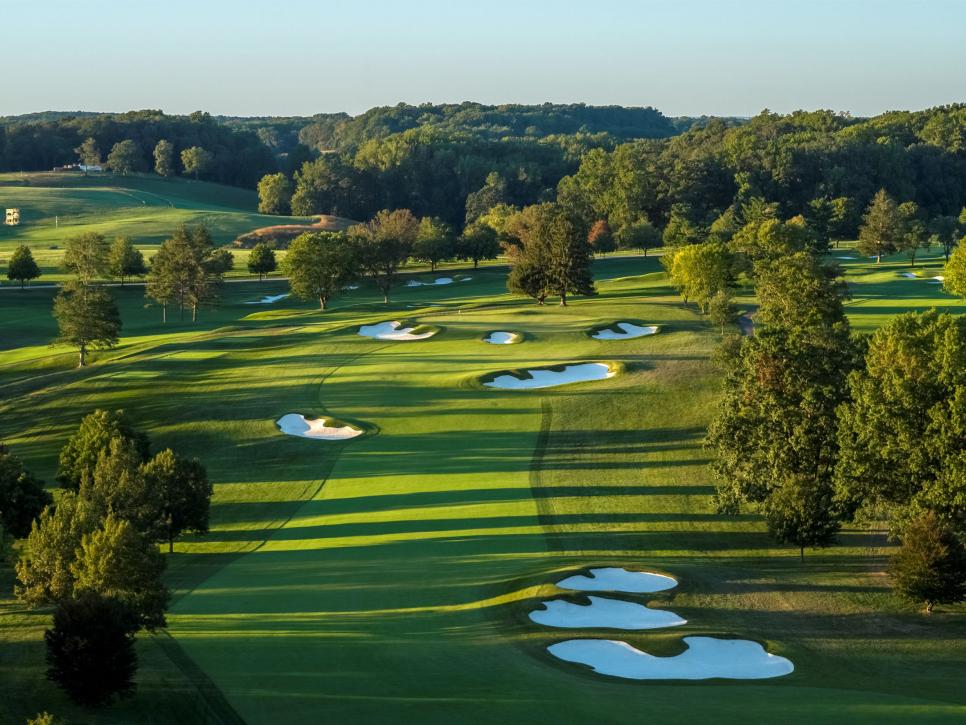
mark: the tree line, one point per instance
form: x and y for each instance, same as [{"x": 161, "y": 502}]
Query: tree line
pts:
[
  {"x": 819, "y": 426},
  {"x": 93, "y": 555},
  {"x": 196, "y": 145}
]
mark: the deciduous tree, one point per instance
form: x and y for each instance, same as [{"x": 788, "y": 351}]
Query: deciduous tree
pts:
[
  {"x": 196, "y": 161},
  {"x": 22, "y": 497},
  {"x": 90, "y": 649},
  {"x": 261, "y": 260},
  {"x": 87, "y": 318},
  {"x": 123, "y": 260},
  {"x": 384, "y": 244},
  {"x": 22, "y": 266},
  {"x": 125, "y": 158},
  {"x": 97, "y": 429},
  {"x": 434, "y": 242},
  {"x": 184, "y": 491},
  {"x": 320, "y": 265},
  {"x": 164, "y": 159},
  {"x": 86, "y": 256},
  {"x": 476, "y": 243},
  {"x": 274, "y": 194},
  {"x": 117, "y": 561}
]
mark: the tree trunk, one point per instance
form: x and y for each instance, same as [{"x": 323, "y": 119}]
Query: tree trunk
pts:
[
  {"x": 82, "y": 356},
  {"x": 801, "y": 553},
  {"x": 164, "y": 314},
  {"x": 476, "y": 264},
  {"x": 929, "y": 606},
  {"x": 385, "y": 296},
  {"x": 878, "y": 257},
  {"x": 321, "y": 303},
  {"x": 194, "y": 313},
  {"x": 170, "y": 544},
  {"x": 563, "y": 299},
  {"x": 645, "y": 251}
]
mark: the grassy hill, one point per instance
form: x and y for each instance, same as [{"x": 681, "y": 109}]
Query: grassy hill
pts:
[
  {"x": 147, "y": 208},
  {"x": 389, "y": 578}
]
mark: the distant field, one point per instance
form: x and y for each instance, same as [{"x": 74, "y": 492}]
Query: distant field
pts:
[{"x": 147, "y": 208}]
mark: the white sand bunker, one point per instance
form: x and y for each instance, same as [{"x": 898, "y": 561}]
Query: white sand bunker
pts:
[
  {"x": 268, "y": 299},
  {"x": 606, "y": 613},
  {"x": 908, "y": 275},
  {"x": 502, "y": 338},
  {"x": 627, "y": 331},
  {"x": 437, "y": 281},
  {"x": 393, "y": 331},
  {"x": 294, "y": 424},
  {"x": 543, "y": 378},
  {"x": 705, "y": 658},
  {"x": 849, "y": 258},
  {"x": 615, "y": 579},
  {"x": 938, "y": 279}
]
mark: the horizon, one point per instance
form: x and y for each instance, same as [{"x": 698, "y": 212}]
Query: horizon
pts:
[{"x": 724, "y": 59}]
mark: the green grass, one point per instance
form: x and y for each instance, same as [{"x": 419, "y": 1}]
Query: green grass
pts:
[
  {"x": 388, "y": 578},
  {"x": 146, "y": 208}
]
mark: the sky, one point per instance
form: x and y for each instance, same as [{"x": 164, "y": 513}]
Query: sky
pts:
[{"x": 300, "y": 57}]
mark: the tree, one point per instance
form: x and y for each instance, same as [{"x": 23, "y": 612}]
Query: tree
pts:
[
  {"x": 88, "y": 153},
  {"x": 117, "y": 486},
  {"x": 185, "y": 493},
  {"x": 844, "y": 220},
  {"x": 801, "y": 512},
  {"x": 320, "y": 265},
  {"x": 775, "y": 424},
  {"x": 948, "y": 230},
  {"x": 640, "y": 234},
  {"x": 164, "y": 159},
  {"x": 187, "y": 269},
  {"x": 700, "y": 271},
  {"x": 119, "y": 562},
  {"x": 600, "y": 238},
  {"x": 721, "y": 309},
  {"x": 384, "y": 244},
  {"x": 492, "y": 193},
  {"x": 930, "y": 566},
  {"x": 434, "y": 241},
  {"x": 90, "y": 649},
  {"x": 261, "y": 260},
  {"x": 274, "y": 194},
  {"x": 476, "y": 243},
  {"x": 87, "y": 318},
  {"x": 97, "y": 429},
  {"x": 550, "y": 256},
  {"x": 123, "y": 260},
  {"x": 125, "y": 158},
  {"x": 86, "y": 256},
  {"x": 44, "y": 570},
  {"x": 954, "y": 274},
  {"x": 680, "y": 229},
  {"x": 22, "y": 497},
  {"x": 196, "y": 161},
  {"x": 882, "y": 227},
  {"x": 818, "y": 218},
  {"x": 902, "y": 426},
  {"x": 22, "y": 266}
]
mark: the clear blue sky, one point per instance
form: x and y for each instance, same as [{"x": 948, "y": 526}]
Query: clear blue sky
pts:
[{"x": 288, "y": 57}]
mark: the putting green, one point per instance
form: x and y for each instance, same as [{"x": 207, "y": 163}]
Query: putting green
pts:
[{"x": 389, "y": 578}]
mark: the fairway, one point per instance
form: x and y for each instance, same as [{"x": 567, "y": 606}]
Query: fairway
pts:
[{"x": 390, "y": 577}]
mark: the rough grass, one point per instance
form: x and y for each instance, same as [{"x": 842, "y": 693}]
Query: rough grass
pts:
[{"x": 388, "y": 578}]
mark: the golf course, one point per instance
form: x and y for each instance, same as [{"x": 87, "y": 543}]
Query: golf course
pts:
[{"x": 388, "y": 573}]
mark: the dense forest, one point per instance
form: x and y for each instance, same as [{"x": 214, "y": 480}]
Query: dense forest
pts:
[{"x": 626, "y": 166}]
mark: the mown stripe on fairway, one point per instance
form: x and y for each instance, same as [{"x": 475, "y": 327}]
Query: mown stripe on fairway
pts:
[
  {"x": 541, "y": 496},
  {"x": 220, "y": 710}
]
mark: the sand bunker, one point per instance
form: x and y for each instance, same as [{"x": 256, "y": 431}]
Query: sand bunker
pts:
[
  {"x": 268, "y": 299},
  {"x": 614, "y": 579},
  {"x": 628, "y": 331},
  {"x": 543, "y": 378},
  {"x": 502, "y": 338},
  {"x": 938, "y": 279},
  {"x": 464, "y": 278},
  {"x": 908, "y": 275},
  {"x": 393, "y": 331},
  {"x": 605, "y": 613},
  {"x": 705, "y": 658},
  {"x": 849, "y": 258},
  {"x": 437, "y": 281},
  {"x": 294, "y": 424}
]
